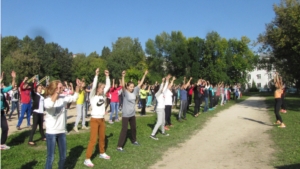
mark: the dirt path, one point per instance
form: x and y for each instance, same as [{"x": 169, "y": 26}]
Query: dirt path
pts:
[{"x": 236, "y": 138}]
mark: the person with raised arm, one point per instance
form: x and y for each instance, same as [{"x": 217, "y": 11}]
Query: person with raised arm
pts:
[
  {"x": 97, "y": 122},
  {"x": 278, "y": 101},
  {"x": 183, "y": 101},
  {"x": 80, "y": 106},
  {"x": 198, "y": 93},
  {"x": 26, "y": 103},
  {"x": 55, "y": 121},
  {"x": 168, "y": 104},
  {"x": 114, "y": 101},
  {"x": 143, "y": 96},
  {"x": 15, "y": 97},
  {"x": 160, "y": 109},
  {"x": 4, "y": 125},
  {"x": 128, "y": 111},
  {"x": 38, "y": 111}
]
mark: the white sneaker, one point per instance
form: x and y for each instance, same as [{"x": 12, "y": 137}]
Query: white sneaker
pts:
[
  {"x": 84, "y": 127},
  {"x": 5, "y": 147},
  {"x": 110, "y": 122},
  {"x": 88, "y": 163},
  {"x": 104, "y": 156},
  {"x": 75, "y": 129}
]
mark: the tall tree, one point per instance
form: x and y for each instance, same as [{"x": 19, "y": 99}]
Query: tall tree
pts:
[
  {"x": 126, "y": 53},
  {"x": 281, "y": 39}
]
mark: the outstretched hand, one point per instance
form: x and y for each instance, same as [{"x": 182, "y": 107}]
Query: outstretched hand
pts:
[
  {"x": 106, "y": 72},
  {"x": 97, "y": 71},
  {"x": 124, "y": 73}
]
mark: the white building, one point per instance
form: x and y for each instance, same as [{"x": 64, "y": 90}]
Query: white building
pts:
[{"x": 261, "y": 77}]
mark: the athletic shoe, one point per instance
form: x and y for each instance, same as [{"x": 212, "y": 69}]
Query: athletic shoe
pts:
[
  {"x": 110, "y": 122},
  {"x": 136, "y": 143},
  {"x": 153, "y": 137},
  {"x": 84, "y": 127},
  {"x": 88, "y": 163},
  {"x": 165, "y": 134},
  {"x": 120, "y": 149},
  {"x": 75, "y": 128},
  {"x": 104, "y": 156},
  {"x": 5, "y": 147}
]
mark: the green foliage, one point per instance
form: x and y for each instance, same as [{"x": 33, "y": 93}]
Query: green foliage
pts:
[{"x": 281, "y": 40}]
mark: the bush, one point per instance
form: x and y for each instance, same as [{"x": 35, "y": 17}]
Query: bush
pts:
[{"x": 253, "y": 90}]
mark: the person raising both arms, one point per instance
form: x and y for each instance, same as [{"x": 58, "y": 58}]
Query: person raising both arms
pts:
[
  {"x": 55, "y": 105},
  {"x": 128, "y": 111},
  {"x": 278, "y": 101},
  {"x": 38, "y": 112},
  {"x": 97, "y": 122},
  {"x": 4, "y": 125},
  {"x": 168, "y": 104},
  {"x": 160, "y": 109}
]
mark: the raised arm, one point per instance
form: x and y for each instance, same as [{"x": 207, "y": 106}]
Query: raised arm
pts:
[
  {"x": 142, "y": 81},
  {"x": 107, "y": 83},
  {"x": 13, "y": 75},
  {"x": 123, "y": 80},
  {"x": 171, "y": 84},
  {"x": 94, "y": 86}
]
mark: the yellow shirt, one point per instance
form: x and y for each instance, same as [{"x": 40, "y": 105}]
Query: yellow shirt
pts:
[
  {"x": 80, "y": 99},
  {"x": 143, "y": 93}
]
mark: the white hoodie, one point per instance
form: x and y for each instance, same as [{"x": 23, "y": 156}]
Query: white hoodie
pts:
[
  {"x": 98, "y": 101},
  {"x": 55, "y": 119}
]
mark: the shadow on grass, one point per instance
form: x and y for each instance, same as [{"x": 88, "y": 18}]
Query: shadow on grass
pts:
[
  {"x": 73, "y": 156},
  {"x": 257, "y": 121},
  {"x": 96, "y": 152},
  {"x": 292, "y": 166},
  {"x": 29, "y": 165},
  {"x": 19, "y": 138}
]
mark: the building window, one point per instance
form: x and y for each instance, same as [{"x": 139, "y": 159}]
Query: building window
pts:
[
  {"x": 258, "y": 85},
  {"x": 270, "y": 76},
  {"x": 249, "y": 77},
  {"x": 258, "y": 76}
]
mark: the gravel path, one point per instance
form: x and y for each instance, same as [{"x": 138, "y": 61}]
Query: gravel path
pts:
[{"x": 235, "y": 139}]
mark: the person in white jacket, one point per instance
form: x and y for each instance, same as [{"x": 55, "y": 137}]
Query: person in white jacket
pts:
[
  {"x": 97, "y": 122},
  {"x": 55, "y": 105},
  {"x": 160, "y": 108}
]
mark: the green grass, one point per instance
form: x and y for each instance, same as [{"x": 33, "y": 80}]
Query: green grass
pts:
[
  {"x": 287, "y": 140},
  {"x": 25, "y": 157}
]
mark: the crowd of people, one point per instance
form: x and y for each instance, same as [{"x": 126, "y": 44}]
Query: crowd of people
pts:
[{"x": 48, "y": 105}]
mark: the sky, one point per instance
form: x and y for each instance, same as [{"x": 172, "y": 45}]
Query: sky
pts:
[{"x": 88, "y": 26}]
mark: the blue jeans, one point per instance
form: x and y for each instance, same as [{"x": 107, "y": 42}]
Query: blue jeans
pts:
[
  {"x": 14, "y": 105},
  {"x": 62, "y": 148},
  {"x": 25, "y": 108},
  {"x": 206, "y": 104},
  {"x": 114, "y": 107}
]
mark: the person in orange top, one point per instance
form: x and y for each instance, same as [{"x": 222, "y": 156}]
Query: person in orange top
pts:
[{"x": 277, "y": 95}]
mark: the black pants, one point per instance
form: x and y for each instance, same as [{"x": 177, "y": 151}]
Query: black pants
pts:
[
  {"x": 211, "y": 101},
  {"x": 216, "y": 100},
  {"x": 283, "y": 106},
  {"x": 4, "y": 128},
  {"x": 38, "y": 119},
  {"x": 107, "y": 104},
  {"x": 124, "y": 129},
  {"x": 168, "y": 109},
  {"x": 277, "y": 105},
  {"x": 197, "y": 106},
  {"x": 143, "y": 101}
]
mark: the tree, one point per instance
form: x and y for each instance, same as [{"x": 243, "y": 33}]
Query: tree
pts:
[
  {"x": 126, "y": 53},
  {"x": 105, "y": 53},
  {"x": 281, "y": 40},
  {"x": 8, "y": 45}
]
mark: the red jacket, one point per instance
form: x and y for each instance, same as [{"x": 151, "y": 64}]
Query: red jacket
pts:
[
  {"x": 25, "y": 94},
  {"x": 115, "y": 94}
]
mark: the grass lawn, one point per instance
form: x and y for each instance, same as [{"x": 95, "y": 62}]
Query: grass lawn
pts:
[
  {"x": 287, "y": 140},
  {"x": 25, "y": 157}
]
